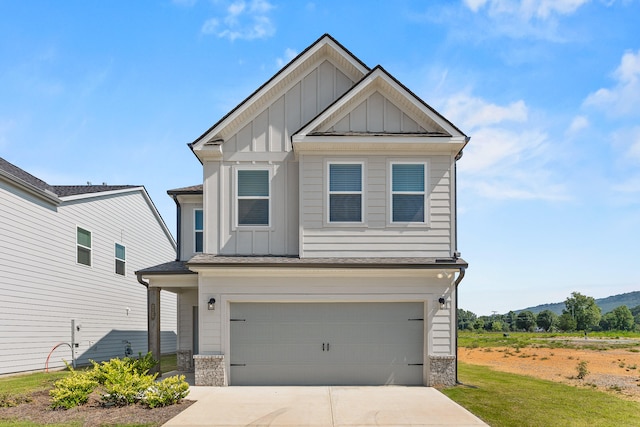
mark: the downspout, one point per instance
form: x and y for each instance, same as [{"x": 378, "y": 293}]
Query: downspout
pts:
[
  {"x": 455, "y": 316},
  {"x": 153, "y": 322},
  {"x": 456, "y": 254},
  {"x": 178, "y": 233}
]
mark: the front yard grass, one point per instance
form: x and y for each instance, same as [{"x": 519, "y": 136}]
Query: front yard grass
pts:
[{"x": 503, "y": 399}]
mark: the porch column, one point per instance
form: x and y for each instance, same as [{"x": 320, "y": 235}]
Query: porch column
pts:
[{"x": 153, "y": 324}]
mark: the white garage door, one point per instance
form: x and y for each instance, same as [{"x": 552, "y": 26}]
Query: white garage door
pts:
[{"x": 326, "y": 343}]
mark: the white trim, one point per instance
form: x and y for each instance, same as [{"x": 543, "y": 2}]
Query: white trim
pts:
[
  {"x": 235, "y": 169},
  {"x": 328, "y": 193},
  {"x": 390, "y": 193},
  {"x": 116, "y": 259},
  {"x": 84, "y": 247}
]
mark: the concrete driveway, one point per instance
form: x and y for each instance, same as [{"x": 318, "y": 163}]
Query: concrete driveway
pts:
[{"x": 322, "y": 406}]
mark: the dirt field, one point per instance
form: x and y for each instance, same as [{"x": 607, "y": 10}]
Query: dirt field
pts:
[{"x": 612, "y": 370}]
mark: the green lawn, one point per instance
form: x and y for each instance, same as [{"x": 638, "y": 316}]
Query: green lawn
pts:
[
  {"x": 503, "y": 399},
  {"x": 596, "y": 340}
]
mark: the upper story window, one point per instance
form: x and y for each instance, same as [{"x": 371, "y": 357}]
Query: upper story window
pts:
[
  {"x": 252, "y": 197},
  {"x": 198, "y": 230},
  {"x": 408, "y": 196},
  {"x": 121, "y": 259},
  {"x": 345, "y": 192},
  {"x": 83, "y": 246}
]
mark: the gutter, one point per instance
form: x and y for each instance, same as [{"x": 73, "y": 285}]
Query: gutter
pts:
[{"x": 142, "y": 282}]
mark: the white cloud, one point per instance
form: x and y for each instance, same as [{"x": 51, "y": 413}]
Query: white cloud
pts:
[
  {"x": 289, "y": 54},
  {"x": 622, "y": 98},
  {"x": 578, "y": 124},
  {"x": 471, "y": 112},
  {"x": 508, "y": 156},
  {"x": 243, "y": 20},
  {"x": 526, "y": 9}
]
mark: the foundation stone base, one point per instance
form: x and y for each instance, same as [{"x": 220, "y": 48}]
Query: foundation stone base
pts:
[
  {"x": 442, "y": 371},
  {"x": 209, "y": 370},
  {"x": 185, "y": 360}
]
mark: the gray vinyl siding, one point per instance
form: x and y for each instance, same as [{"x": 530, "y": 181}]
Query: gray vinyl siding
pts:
[
  {"x": 42, "y": 287},
  {"x": 376, "y": 236}
]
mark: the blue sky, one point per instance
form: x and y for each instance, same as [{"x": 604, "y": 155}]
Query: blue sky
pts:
[{"x": 548, "y": 90}]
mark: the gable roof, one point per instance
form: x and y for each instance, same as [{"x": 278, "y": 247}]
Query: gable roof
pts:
[
  {"x": 325, "y": 46},
  {"x": 27, "y": 182},
  {"x": 76, "y": 190},
  {"x": 430, "y": 130}
]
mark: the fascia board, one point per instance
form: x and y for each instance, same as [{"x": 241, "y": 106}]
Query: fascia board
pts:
[{"x": 45, "y": 195}]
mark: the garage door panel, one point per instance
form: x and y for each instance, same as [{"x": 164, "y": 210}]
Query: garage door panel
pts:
[{"x": 326, "y": 343}]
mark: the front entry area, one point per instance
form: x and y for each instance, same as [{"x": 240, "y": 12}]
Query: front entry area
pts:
[{"x": 326, "y": 343}]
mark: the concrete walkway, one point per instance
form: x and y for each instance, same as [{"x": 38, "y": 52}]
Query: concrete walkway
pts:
[{"x": 322, "y": 406}]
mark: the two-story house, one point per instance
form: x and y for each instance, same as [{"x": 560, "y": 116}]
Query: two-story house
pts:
[
  {"x": 68, "y": 254},
  {"x": 321, "y": 246}
]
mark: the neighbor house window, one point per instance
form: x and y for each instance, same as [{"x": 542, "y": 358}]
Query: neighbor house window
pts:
[
  {"x": 408, "y": 195},
  {"x": 121, "y": 259},
  {"x": 253, "y": 197},
  {"x": 345, "y": 192},
  {"x": 83, "y": 246},
  {"x": 198, "y": 230}
]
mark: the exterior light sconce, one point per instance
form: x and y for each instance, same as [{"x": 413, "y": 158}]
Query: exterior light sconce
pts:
[
  {"x": 211, "y": 305},
  {"x": 442, "y": 302}
]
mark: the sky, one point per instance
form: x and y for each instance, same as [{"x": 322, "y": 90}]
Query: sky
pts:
[{"x": 548, "y": 91}]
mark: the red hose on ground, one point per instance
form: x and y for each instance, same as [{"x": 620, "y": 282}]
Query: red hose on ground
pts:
[{"x": 46, "y": 365}]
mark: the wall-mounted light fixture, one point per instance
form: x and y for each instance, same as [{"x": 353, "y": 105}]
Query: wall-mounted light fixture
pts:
[
  {"x": 211, "y": 305},
  {"x": 442, "y": 302}
]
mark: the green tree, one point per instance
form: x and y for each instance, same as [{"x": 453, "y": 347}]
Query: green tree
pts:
[
  {"x": 496, "y": 326},
  {"x": 636, "y": 314},
  {"x": 526, "y": 320},
  {"x": 620, "y": 319},
  {"x": 567, "y": 323},
  {"x": 478, "y": 324},
  {"x": 583, "y": 310},
  {"x": 466, "y": 319},
  {"x": 546, "y": 319},
  {"x": 510, "y": 320}
]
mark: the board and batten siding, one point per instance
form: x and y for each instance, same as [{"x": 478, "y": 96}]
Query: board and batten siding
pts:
[
  {"x": 376, "y": 236},
  {"x": 43, "y": 288},
  {"x": 266, "y": 142}
]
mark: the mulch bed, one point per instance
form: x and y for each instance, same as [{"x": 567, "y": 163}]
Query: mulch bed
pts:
[{"x": 38, "y": 410}]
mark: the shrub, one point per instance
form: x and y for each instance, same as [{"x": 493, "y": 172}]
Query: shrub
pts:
[
  {"x": 582, "y": 369},
  {"x": 142, "y": 364},
  {"x": 166, "y": 392},
  {"x": 121, "y": 381},
  {"x": 72, "y": 390}
]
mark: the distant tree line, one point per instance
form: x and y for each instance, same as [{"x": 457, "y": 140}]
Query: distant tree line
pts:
[{"x": 581, "y": 313}]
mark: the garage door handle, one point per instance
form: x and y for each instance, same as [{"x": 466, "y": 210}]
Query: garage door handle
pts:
[{"x": 327, "y": 346}]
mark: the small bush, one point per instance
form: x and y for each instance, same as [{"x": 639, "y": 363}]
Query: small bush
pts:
[
  {"x": 72, "y": 390},
  {"x": 121, "y": 381},
  {"x": 582, "y": 369},
  {"x": 166, "y": 392}
]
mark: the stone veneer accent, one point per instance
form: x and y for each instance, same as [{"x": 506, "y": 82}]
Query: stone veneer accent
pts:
[
  {"x": 442, "y": 370},
  {"x": 185, "y": 360},
  {"x": 210, "y": 370}
]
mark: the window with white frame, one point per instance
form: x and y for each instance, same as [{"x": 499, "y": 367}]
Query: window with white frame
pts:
[
  {"x": 198, "y": 230},
  {"x": 83, "y": 246},
  {"x": 121, "y": 259},
  {"x": 408, "y": 196},
  {"x": 345, "y": 192},
  {"x": 252, "y": 197}
]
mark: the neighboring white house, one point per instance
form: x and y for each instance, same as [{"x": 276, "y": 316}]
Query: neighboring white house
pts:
[
  {"x": 68, "y": 254},
  {"x": 323, "y": 236}
]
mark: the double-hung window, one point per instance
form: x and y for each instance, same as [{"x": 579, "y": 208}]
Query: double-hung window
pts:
[
  {"x": 345, "y": 192},
  {"x": 253, "y": 197},
  {"x": 198, "y": 230},
  {"x": 83, "y": 246},
  {"x": 408, "y": 197},
  {"x": 121, "y": 259}
]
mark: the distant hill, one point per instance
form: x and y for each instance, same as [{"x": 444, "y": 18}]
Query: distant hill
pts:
[{"x": 630, "y": 299}]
